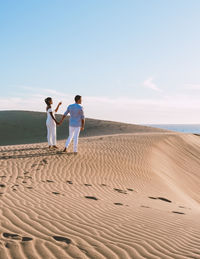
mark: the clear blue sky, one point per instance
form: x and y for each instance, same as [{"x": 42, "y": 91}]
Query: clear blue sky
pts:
[{"x": 135, "y": 61}]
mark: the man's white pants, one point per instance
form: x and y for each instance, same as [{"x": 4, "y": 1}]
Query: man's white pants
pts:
[
  {"x": 73, "y": 133},
  {"x": 51, "y": 134}
]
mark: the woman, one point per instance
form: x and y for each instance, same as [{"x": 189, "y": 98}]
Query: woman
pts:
[{"x": 51, "y": 122}]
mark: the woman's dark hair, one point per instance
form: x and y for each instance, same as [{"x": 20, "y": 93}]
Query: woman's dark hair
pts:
[
  {"x": 47, "y": 100},
  {"x": 77, "y": 98}
]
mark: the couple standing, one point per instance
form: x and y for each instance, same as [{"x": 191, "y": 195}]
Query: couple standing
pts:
[{"x": 76, "y": 122}]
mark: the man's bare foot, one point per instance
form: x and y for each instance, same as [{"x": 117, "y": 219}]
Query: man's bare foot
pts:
[
  {"x": 55, "y": 146},
  {"x": 65, "y": 149}
]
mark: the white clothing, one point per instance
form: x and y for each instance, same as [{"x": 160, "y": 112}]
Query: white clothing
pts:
[
  {"x": 73, "y": 133},
  {"x": 51, "y": 134},
  {"x": 49, "y": 118},
  {"x": 51, "y": 128}
]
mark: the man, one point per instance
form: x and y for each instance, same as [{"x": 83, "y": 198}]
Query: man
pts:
[{"x": 76, "y": 122}]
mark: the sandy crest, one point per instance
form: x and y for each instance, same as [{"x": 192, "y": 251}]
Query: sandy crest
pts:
[{"x": 122, "y": 196}]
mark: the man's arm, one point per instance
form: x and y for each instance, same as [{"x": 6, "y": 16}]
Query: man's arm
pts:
[
  {"x": 82, "y": 124},
  {"x": 82, "y": 120},
  {"x": 64, "y": 115}
]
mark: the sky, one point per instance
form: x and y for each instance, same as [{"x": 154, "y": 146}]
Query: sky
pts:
[{"x": 135, "y": 61}]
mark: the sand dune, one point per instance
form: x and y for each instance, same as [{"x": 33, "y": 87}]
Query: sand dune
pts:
[
  {"x": 123, "y": 196},
  {"x": 25, "y": 127}
]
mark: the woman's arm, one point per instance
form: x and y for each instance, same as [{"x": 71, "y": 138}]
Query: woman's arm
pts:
[
  {"x": 58, "y": 106},
  {"x": 54, "y": 118}
]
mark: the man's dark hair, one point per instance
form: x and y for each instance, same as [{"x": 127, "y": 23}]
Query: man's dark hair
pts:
[
  {"x": 77, "y": 98},
  {"x": 47, "y": 100}
]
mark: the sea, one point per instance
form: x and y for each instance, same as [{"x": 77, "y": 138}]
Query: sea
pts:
[{"x": 186, "y": 128}]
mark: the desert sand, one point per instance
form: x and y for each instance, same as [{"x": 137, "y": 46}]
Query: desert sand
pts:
[
  {"x": 123, "y": 196},
  {"x": 25, "y": 127}
]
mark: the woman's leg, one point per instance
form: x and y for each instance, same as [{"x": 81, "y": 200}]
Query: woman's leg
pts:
[
  {"x": 49, "y": 135},
  {"x": 71, "y": 134},
  {"x": 54, "y": 135},
  {"x": 76, "y": 135}
]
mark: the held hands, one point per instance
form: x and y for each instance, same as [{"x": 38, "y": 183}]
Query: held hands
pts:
[{"x": 59, "y": 123}]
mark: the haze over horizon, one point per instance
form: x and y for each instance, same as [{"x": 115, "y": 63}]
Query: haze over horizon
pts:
[{"x": 132, "y": 61}]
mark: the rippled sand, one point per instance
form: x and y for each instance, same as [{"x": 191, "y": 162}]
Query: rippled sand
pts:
[{"x": 123, "y": 196}]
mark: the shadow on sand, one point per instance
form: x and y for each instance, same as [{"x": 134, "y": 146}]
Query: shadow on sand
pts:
[
  {"x": 23, "y": 149},
  {"x": 36, "y": 154}
]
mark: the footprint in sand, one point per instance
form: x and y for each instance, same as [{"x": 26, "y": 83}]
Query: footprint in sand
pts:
[
  {"x": 178, "y": 212},
  {"x": 87, "y": 184},
  {"x": 45, "y": 161},
  {"x": 26, "y": 239},
  {"x": 143, "y": 206},
  {"x": 2, "y": 185},
  {"x": 103, "y": 184},
  {"x": 159, "y": 198},
  {"x": 50, "y": 181},
  {"x": 118, "y": 203},
  {"x": 69, "y": 182},
  {"x": 12, "y": 236},
  {"x": 16, "y": 237},
  {"x": 56, "y": 193},
  {"x": 164, "y": 199},
  {"x": 153, "y": 198},
  {"x": 91, "y": 197},
  {"x": 62, "y": 239},
  {"x": 129, "y": 189},
  {"x": 29, "y": 187},
  {"x": 15, "y": 185},
  {"x": 28, "y": 177},
  {"x": 120, "y": 191}
]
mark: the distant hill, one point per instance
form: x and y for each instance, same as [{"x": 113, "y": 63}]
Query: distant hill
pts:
[{"x": 23, "y": 127}]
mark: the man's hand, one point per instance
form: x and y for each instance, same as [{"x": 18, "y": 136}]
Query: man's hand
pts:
[
  {"x": 60, "y": 103},
  {"x": 82, "y": 128}
]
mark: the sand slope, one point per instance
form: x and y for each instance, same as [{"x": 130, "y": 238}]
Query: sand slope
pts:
[
  {"x": 25, "y": 127},
  {"x": 142, "y": 198}
]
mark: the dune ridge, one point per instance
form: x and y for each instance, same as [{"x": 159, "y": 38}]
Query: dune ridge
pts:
[
  {"x": 26, "y": 127},
  {"x": 123, "y": 196}
]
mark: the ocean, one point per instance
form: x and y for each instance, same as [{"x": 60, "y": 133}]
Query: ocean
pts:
[{"x": 187, "y": 128}]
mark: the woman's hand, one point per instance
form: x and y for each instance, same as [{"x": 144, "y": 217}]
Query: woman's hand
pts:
[
  {"x": 58, "y": 106},
  {"x": 60, "y": 122}
]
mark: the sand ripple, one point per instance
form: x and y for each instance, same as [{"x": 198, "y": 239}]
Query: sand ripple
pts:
[{"x": 125, "y": 196}]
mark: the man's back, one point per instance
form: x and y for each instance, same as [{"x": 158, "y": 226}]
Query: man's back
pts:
[{"x": 76, "y": 114}]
